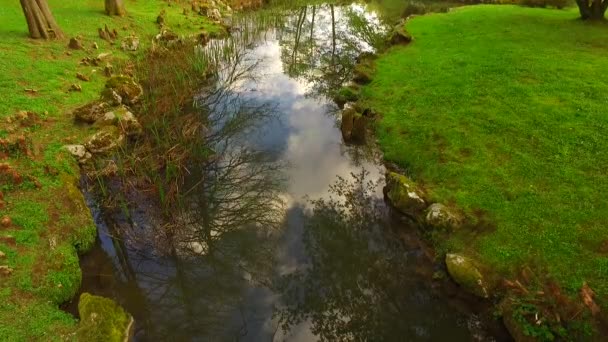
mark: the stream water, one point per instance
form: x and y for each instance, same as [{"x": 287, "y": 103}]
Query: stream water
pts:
[{"x": 286, "y": 235}]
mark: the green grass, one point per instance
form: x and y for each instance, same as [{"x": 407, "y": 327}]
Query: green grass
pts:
[
  {"x": 501, "y": 110},
  {"x": 51, "y": 222},
  {"x": 44, "y": 66}
]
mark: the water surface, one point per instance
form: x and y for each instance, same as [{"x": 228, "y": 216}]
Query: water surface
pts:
[{"x": 286, "y": 235}]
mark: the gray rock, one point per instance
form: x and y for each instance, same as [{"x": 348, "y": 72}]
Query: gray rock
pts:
[
  {"x": 465, "y": 273},
  {"x": 440, "y": 216}
]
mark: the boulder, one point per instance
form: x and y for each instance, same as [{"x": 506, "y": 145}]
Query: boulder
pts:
[
  {"x": 2, "y": 255},
  {"x": 122, "y": 118},
  {"x": 130, "y": 92},
  {"x": 346, "y": 94},
  {"x": 441, "y": 216},
  {"x": 101, "y": 319},
  {"x": 404, "y": 194},
  {"x": 106, "y": 140},
  {"x": 466, "y": 273},
  {"x": 400, "y": 36},
  {"x": 111, "y": 97},
  {"x": 90, "y": 112},
  {"x": 354, "y": 124},
  {"x": 362, "y": 74},
  {"x": 348, "y": 117}
]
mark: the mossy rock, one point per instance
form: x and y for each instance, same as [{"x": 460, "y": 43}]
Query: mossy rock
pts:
[
  {"x": 348, "y": 118},
  {"x": 465, "y": 272},
  {"x": 83, "y": 236},
  {"x": 359, "y": 133},
  {"x": 106, "y": 140},
  {"x": 111, "y": 97},
  {"x": 122, "y": 118},
  {"x": 91, "y": 112},
  {"x": 101, "y": 319},
  {"x": 362, "y": 74},
  {"x": 404, "y": 194},
  {"x": 129, "y": 91},
  {"x": 400, "y": 36},
  {"x": 443, "y": 217},
  {"x": 347, "y": 94}
]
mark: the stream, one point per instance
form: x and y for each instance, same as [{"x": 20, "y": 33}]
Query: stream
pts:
[{"x": 285, "y": 235}]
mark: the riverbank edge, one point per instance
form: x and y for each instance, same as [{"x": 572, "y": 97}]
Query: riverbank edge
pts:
[
  {"x": 438, "y": 221},
  {"x": 77, "y": 236}
]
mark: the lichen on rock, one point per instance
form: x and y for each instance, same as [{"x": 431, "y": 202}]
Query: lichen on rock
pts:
[
  {"x": 106, "y": 140},
  {"x": 122, "y": 118},
  {"x": 101, "y": 319},
  {"x": 441, "y": 216},
  {"x": 129, "y": 91},
  {"x": 91, "y": 112},
  {"x": 465, "y": 272},
  {"x": 79, "y": 152},
  {"x": 404, "y": 194}
]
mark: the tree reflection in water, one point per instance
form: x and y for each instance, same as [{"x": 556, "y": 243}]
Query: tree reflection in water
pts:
[
  {"x": 190, "y": 274},
  {"x": 359, "y": 282},
  {"x": 320, "y": 44}
]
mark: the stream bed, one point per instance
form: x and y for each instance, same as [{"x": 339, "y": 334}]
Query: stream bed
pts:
[{"x": 286, "y": 235}]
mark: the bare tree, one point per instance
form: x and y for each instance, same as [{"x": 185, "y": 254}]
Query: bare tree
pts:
[
  {"x": 115, "y": 7},
  {"x": 40, "y": 20}
]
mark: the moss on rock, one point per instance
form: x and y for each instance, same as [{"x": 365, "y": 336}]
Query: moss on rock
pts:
[
  {"x": 465, "y": 273},
  {"x": 104, "y": 141},
  {"x": 400, "y": 36},
  {"x": 404, "y": 194},
  {"x": 347, "y": 94},
  {"x": 441, "y": 216},
  {"x": 90, "y": 112},
  {"x": 101, "y": 319},
  {"x": 129, "y": 91}
]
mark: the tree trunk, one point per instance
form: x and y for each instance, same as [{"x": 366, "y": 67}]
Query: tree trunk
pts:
[
  {"x": 592, "y": 9},
  {"x": 115, "y": 7},
  {"x": 40, "y": 21}
]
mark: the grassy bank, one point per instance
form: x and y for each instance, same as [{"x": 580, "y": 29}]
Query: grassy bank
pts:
[
  {"x": 49, "y": 221},
  {"x": 501, "y": 111}
]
